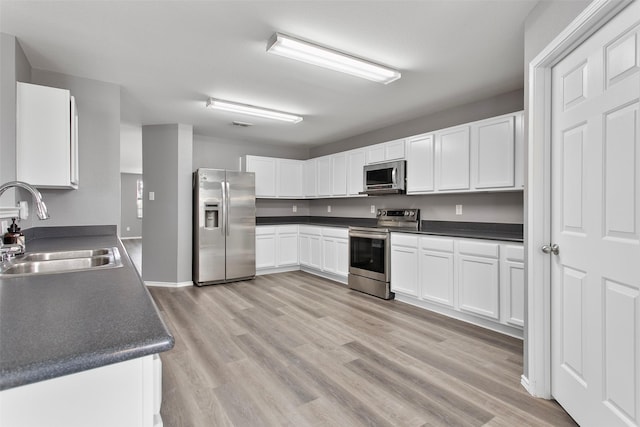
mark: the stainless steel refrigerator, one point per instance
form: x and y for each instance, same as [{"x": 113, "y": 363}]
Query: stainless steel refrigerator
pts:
[{"x": 224, "y": 226}]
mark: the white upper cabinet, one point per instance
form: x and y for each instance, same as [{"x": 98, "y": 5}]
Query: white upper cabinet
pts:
[
  {"x": 324, "y": 173},
  {"x": 420, "y": 164},
  {"x": 265, "y": 170},
  {"x": 452, "y": 159},
  {"x": 356, "y": 160},
  {"x": 277, "y": 177},
  {"x": 339, "y": 174},
  {"x": 387, "y": 151},
  {"x": 289, "y": 178},
  {"x": 493, "y": 153},
  {"x": 46, "y": 136},
  {"x": 309, "y": 179}
]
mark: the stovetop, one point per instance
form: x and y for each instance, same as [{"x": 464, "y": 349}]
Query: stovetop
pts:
[{"x": 394, "y": 219}]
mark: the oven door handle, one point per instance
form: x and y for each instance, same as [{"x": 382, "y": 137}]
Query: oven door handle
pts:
[{"x": 369, "y": 235}]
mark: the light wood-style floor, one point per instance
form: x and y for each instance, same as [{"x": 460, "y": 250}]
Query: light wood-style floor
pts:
[{"x": 293, "y": 349}]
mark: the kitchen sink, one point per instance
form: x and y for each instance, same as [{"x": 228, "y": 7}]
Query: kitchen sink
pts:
[{"x": 61, "y": 262}]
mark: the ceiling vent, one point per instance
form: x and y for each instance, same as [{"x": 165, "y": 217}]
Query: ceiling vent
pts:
[{"x": 241, "y": 124}]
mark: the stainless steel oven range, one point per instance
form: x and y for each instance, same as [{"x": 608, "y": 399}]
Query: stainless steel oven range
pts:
[{"x": 370, "y": 251}]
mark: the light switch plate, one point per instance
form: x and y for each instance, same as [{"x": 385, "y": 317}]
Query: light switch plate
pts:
[
  {"x": 458, "y": 209},
  {"x": 295, "y": 208},
  {"x": 373, "y": 208},
  {"x": 152, "y": 195},
  {"x": 328, "y": 208}
]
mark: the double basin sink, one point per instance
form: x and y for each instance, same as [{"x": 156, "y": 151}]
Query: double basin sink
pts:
[{"x": 61, "y": 262}]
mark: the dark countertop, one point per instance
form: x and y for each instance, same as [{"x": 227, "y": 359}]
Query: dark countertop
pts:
[
  {"x": 58, "y": 324},
  {"x": 470, "y": 230}
]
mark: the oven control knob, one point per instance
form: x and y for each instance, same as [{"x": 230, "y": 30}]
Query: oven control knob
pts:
[
  {"x": 379, "y": 212},
  {"x": 412, "y": 213},
  {"x": 406, "y": 213},
  {"x": 384, "y": 213}
]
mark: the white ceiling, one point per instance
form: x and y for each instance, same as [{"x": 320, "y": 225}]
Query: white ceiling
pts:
[{"x": 170, "y": 56}]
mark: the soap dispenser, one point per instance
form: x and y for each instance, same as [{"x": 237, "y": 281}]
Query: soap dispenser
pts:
[{"x": 13, "y": 236}]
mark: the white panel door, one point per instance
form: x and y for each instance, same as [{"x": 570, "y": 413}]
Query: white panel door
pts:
[
  {"x": 493, "y": 153},
  {"x": 595, "y": 216},
  {"x": 452, "y": 159},
  {"x": 375, "y": 154},
  {"x": 342, "y": 260},
  {"x": 289, "y": 178},
  {"x": 478, "y": 285},
  {"x": 309, "y": 178},
  {"x": 265, "y": 250},
  {"x": 394, "y": 150},
  {"x": 420, "y": 163},
  {"x": 329, "y": 261},
  {"x": 265, "y": 170},
  {"x": 315, "y": 250},
  {"x": 339, "y": 170},
  {"x": 404, "y": 270},
  {"x": 355, "y": 167},
  {"x": 304, "y": 249},
  {"x": 324, "y": 175},
  {"x": 287, "y": 249},
  {"x": 436, "y": 276}
]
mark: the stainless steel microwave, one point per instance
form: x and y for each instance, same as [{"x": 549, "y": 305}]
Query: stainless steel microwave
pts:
[{"x": 385, "y": 178}]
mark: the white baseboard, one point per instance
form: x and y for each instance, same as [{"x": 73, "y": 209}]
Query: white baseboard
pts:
[
  {"x": 168, "y": 284},
  {"x": 469, "y": 318},
  {"x": 524, "y": 381},
  {"x": 272, "y": 270},
  {"x": 330, "y": 276},
  {"x": 130, "y": 238}
]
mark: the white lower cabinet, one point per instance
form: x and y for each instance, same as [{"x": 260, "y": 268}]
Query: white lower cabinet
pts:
[
  {"x": 123, "y": 394},
  {"x": 480, "y": 281},
  {"x": 478, "y": 278},
  {"x": 289, "y": 247},
  {"x": 512, "y": 284},
  {"x": 436, "y": 270},
  {"x": 276, "y": 246},
  {"x": 404, "y": 263}
]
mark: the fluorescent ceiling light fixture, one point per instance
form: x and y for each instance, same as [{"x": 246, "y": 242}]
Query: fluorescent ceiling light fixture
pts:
[
  {"x": 251, "y": 110},
  {"x": 310, "y": 53}
]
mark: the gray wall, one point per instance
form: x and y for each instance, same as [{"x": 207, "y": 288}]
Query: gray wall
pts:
[
  {"x": 495, "y": 106},
  {"x": 217, "y": 153},
  {"x": 542, "y": 25},
  {"x": 272, "y": 207},
  {"x": 97, "y": 201},
  {"x": 13, "y": 67},
  {"x": 166, "y": 228},
  {"x": 503, "y": 207},
  {"x": 128, "y": 206}
]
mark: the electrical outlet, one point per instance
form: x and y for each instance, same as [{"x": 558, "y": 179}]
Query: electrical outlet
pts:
[
  {"x": 373, "y": 209},
  {"x": 128, "y": 228},
  {"x": 329, "y": 208},
  {"x": 458, "y": 209},
  {"x": 295, "y": 208}
]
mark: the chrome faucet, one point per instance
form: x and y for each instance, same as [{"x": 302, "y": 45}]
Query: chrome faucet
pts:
[
  {"x": 41, "y": 208},
  {"x": 10, "y": 250}
]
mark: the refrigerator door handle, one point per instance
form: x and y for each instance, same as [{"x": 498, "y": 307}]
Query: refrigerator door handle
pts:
[
  {"x": 223, "y": 228},
  {"x": 227, "y": 202}
]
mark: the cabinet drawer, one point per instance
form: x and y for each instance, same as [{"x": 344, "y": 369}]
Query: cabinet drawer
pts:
[
  {"x": 262, "y": 230},
  {"x": 342, "y": 233},
  {"x": 408, "y": 240},
  {"x": 490, "y": 250},
  {"x": 513, "y": 253},
  {"x": 288, "y": 229},
  {"x": 436, "y": 244},
  {"x": 310, "y": 230}
]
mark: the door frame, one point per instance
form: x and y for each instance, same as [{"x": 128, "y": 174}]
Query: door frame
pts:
[{"x": 537, "y": 376}]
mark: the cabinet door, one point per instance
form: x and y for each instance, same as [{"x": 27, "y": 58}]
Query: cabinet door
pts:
[
  {"x": 394, "y": 150},
  {"x": 478, "y": 284},
  {"x": 420, "y": 164},
  {"x": 265, "y": 170},
  {"x": 309, "y": 178},
  {"x": 339, "y": 181},
  {"x": 493, "y": 153},
  {"x": 452, "y": 159},
  {"x": 342, "y": 253},
  {"x": 44, "y": 129},
  {"x": 324, "y": 175},
  {"x": 355, "y": 168},
  {"x": 287, "y": 249},
  {"x": 436, "y": 276},
  {"x": 289, "y": 178},
  {"x": 329, "y": 261},
  {"x": 304, "y": 250},
  {"x": 265, "y": 247},
  {"x": 375, "y": 154},
  {"x": 512, "y": 284},
  {"x": 315, "y": 249},
  {"x": 404, "y": 265}
]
